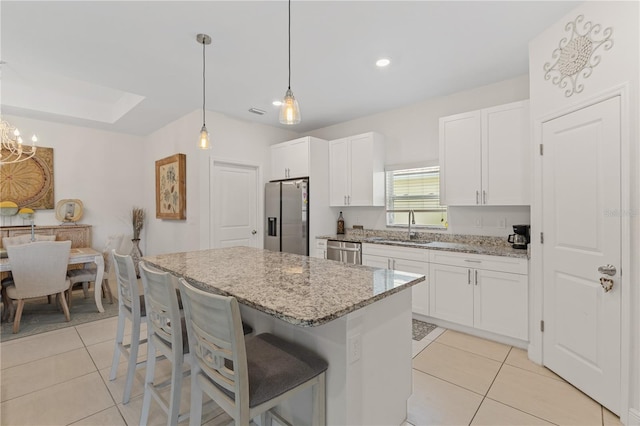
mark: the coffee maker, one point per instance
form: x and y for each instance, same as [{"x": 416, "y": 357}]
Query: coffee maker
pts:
[{"x": 521, "y": 237}]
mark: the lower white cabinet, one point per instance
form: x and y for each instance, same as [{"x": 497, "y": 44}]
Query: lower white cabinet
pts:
[
  {"x": 402, "y": 259},
  {"x": 490, "y": 300},
  {"x": 320, "y": 250}
]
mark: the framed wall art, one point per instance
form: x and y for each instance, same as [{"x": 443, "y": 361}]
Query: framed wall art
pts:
[
  {"x": 171, "y": 187},
  {"x": 29, "y": 183}
]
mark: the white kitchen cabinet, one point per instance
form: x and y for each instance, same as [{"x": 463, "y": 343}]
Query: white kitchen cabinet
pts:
[
  {"x": 485, "y": 156},
  {"x": 320, "y": 249},
  {"x": 356, "y": 176},
  {"x": 485, "y": 292},
  {"x": 290, "y": 159},
  {"x": 402, "y": 259}
]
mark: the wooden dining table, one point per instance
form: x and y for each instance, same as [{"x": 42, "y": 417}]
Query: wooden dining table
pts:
[{"x": 77, "y": 256}]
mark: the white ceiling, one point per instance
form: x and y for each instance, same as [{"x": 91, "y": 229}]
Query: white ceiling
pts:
[{"x": 134, "y": 66}]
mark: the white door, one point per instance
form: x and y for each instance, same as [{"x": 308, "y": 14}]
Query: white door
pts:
[
  {"x": 234, "y": 203},
  {"x": 581, "y": 225},
  {"x": 360, "y": 171}
]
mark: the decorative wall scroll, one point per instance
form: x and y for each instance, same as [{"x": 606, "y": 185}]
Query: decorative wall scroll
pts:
[
  {"x": 171, "y": 188},
  {"x": 30, "y": 182},
  {"x": 577, "y": 55}
]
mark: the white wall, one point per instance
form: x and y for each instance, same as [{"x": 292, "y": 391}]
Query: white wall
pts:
[
  {"x": 411, "y": 137},
  {"x": 102, "y": 169},
  {"x": 619, "y": 67},
  {"x": 232, "y": 140}
]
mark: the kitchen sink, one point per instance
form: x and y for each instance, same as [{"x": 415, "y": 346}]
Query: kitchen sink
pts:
[{"x": 398, "y": 242}]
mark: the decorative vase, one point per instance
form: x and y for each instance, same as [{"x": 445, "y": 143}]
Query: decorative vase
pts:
[{"x": 136, "y": 254}]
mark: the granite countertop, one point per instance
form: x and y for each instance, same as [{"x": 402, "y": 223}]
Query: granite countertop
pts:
[
  {"x": 301, "y": 290},
  {"x": 491, "y": 246}
]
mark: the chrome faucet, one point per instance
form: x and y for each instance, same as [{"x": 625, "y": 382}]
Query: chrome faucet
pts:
[{"x": 411, "y": 220}]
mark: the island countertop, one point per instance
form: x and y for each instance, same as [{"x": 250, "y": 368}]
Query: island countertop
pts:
[{"x": 301, "y": 290}]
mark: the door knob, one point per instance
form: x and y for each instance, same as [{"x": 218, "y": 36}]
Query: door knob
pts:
[
  {"x": 607, "y": 270},
  {"x": 254, "y": 232}
]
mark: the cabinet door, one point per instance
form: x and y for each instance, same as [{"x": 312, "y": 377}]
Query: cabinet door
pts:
[
  {"x": 420, "y": 292},
  {"x": 451, "y": 293},
  {"x": 297, "y": 158},
  {"x": 500, "y": 303},
  {"x": 506, "y": 154},
  {"x": 361, "y": 170},
  {"x": 290, "y": 159},
  {"x": 460, "y": 159},
  {"x": 338, "y": 172}
]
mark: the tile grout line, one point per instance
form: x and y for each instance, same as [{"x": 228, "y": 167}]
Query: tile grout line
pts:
[{"x": 484, "y": 397}]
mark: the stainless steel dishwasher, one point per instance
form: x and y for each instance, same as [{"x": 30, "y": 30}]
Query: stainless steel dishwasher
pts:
[{"x": 345, "y": 252}]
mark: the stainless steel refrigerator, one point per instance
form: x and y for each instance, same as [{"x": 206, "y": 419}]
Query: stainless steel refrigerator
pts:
[{"x": 286, "y": 209}]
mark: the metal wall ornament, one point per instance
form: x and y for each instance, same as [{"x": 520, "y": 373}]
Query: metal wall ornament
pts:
[{"x": 577, "y": 55}]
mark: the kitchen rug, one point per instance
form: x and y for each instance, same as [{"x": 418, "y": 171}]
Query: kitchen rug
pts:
[
  {"x": 38, "y": 316},
  {"x": 421, "y": 329}
]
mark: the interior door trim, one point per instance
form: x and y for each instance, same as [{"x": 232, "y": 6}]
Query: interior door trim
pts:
[{"x": 536, "y": 266}]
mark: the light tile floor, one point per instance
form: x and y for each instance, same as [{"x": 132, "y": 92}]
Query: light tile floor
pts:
[
  {"x": 464, "y": 380},
  {"x": 61, "y": 378}
]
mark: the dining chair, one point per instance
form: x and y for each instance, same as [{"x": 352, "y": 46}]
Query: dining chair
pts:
[
  {"x": 246, "y": 378},
  {"x": 131, "y": 307},
  {"x": 39, "y": 269},
  {"x": 6, "y": 282},
  {"x": 167, "y": 334},
  {"x": 89, "y": 272}
]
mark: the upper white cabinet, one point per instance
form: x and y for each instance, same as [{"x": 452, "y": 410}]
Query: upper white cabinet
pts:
[
  {"x": 485, "y": 156},
  {"x": 356, "y": 171},
  {"x": 290, "y": 159}
]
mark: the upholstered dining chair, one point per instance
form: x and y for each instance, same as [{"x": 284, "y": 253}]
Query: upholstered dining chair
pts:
[
  {"x": 88, "y": 273},
  {"x": 131, "y": 307},
  {"x": 167, "y": 334},
  {"x": 7, "y": 313},
  {"x": 246, "y": 378},
  {"x": 39, "y": 269}
]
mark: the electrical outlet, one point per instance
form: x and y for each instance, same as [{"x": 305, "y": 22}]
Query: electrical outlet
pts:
[
  {"x": 502, "y": 223},
  {"x": 478, "y": 222},
  {"x": 355, "y": 348}
]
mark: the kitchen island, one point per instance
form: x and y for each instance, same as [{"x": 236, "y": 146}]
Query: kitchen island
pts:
[{"x": 358, "y": 318}]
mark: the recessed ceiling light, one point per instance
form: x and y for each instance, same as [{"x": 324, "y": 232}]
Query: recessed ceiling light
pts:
[
  {"x": 383, "y": 62},
  {"x": 277, "y": 103}
]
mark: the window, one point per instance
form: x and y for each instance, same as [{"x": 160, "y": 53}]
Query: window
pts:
[{"x": 418, "y": 190}]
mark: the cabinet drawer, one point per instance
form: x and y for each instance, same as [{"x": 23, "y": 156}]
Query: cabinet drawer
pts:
[
  {"x": 491, "y": 263},
  {"x": 321, "y": 244},
  {"x": 420, "y": 255}
]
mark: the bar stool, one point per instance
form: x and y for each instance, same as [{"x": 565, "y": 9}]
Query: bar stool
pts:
[
  {"x": 131, "y": 307},
  {"x": 167, "y": 334},
  {"x": 246, "y": 378}
]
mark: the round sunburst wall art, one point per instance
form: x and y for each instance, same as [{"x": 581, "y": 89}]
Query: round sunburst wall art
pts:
[
  {"x": 30, "y": 182},
  {"x": 577, "y": 55}
]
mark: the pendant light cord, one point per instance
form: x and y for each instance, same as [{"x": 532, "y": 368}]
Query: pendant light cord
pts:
[
  {"x": 289, "y": 45},
  {"x": 203, "y": 82}
]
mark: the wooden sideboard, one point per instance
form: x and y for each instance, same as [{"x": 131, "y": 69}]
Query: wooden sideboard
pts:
[{"x": 79, "y": 235}]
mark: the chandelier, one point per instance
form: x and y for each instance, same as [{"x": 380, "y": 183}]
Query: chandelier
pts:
[{"x": 12, "y": 150}]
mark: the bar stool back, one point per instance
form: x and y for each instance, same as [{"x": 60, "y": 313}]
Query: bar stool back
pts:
[
  {"x": 131, "y": 307},
  {"x": 246, "y": 378},
  {"x": 167, "y": 335}
]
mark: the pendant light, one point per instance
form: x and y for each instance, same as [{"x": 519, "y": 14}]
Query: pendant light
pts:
[
  {"x": 204, "y": 142},
  {"x": 289, "y": 110}
]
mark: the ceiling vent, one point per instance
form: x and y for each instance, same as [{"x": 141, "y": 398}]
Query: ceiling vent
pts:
[{"x": 257, "y": 111}]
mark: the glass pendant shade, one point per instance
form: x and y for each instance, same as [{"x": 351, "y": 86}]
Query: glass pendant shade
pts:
[
  {"x": 289, "y": 110},
  {"x": 204, "y": 139}
]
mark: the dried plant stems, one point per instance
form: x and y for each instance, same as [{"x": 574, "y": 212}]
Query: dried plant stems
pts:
[{"x": 137, "y": 220}]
